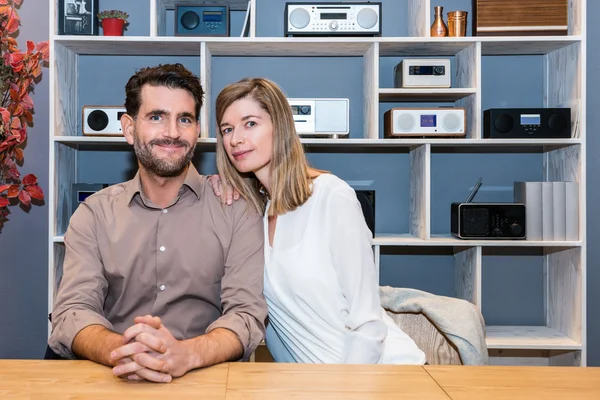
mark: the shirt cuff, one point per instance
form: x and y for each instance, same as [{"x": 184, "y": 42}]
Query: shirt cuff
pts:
[
  {"x": 68, "y": 326},
  {"x": 245, "y": 329}
]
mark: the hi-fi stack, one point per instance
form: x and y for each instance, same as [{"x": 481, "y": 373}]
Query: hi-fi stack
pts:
[{"x": 422, "y": 121}]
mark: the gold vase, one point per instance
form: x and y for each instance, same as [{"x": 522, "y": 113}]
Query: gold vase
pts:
[{"x": 438, "y": 28}]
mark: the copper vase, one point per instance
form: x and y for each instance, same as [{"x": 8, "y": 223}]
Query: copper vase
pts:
[{"x": 438, "y": 28}]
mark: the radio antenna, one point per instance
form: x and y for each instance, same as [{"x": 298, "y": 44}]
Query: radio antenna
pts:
[{"x": 474, "y": 191}]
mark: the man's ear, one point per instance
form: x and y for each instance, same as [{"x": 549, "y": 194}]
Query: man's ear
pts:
[{"x": 127, "y": 127}]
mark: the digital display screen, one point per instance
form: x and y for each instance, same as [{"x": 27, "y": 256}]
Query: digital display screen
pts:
[
  {"x": 82, "y": 195},
  {"x": 120, "y": 114},
  {"x": 428, "y": 121},
  {"x": 333, "y": 15},
  {"x": 424, "y": 70},
  {"x": 530, "y": 119},
  {"x": 212, "y": 16}
]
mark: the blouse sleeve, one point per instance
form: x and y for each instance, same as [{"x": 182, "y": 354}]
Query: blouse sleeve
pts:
[{"x": 353, "y": 258}]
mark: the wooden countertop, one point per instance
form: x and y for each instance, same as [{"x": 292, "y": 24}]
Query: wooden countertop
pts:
[{"x": 33, "y": 379}]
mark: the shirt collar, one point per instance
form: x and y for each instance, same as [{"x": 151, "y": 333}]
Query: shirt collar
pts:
[{"x": 193, "y": 180}]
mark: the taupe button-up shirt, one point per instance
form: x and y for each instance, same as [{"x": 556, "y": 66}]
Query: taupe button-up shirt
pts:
[{"x": 196, "y": 264}]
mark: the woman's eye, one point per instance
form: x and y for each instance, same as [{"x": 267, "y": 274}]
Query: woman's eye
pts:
[
  {"x": 226, "y": 131},
  {"x": 251, "y": 123}
]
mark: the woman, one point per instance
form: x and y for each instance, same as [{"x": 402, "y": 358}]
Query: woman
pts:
[{"x": 320, "y": 282}]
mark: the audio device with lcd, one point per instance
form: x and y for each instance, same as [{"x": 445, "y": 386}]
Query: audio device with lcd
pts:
[
  {"x": 201, "y": 20},
  {"x": 332, "y": 19},
  {"x": 419, "y": 122},
  {"x": 321, "y": 117},
  {"x": 81, "y": 191},
  {"x": 490, "y": 221},
  {"x": 425, "y": 73},
  {"x": 102, "y": 120},
  {"x": 527, "y": 123}
]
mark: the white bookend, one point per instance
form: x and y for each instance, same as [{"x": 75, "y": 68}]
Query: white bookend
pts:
[
  {"x": 572, "y": 210},
  {"x": 547, "y": 212},
  {"x": 530, "y": 194},
  {"x": 559, "y": 207}
]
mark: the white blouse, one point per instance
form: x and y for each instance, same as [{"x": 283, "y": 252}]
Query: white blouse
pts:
[{"x": 320, "y": 285}]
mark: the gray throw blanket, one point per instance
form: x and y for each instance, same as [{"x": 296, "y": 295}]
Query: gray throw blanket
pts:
[{"x": 459, "y": 320}]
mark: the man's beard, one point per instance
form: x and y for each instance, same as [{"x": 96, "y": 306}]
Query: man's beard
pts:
[{"x": 164, "y": 168}]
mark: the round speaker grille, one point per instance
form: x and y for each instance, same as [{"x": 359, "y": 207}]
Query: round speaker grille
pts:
[
  {"x": 405, "y": 122},
  {"x": 97, "y": 120},
  {"x": 503, "y": 123},
  {"x": 299, "y": 18},
  {"x": 367, "y": 18},
  {"x": 190, "y": 20},
  {"x": 451, "y": 122},
  {"x": 557, "y": 122}
]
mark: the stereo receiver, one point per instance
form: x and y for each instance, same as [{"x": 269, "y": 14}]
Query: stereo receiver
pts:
[
  {"x": 102, "y": 120},
  {"x": 527, "y": 123},
  {"x": 441, "y": 122},
  {"x": 321, "y": 117},
  {"x": 426, "y": 73},
  {"x": 332, "y": 19}
]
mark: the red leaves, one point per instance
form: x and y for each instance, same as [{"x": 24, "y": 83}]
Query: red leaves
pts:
[
  {"x": 29, "y": 179},
  {"x": 19, "y": 76},
  {"x": 24, "y": 198},
  {"x": 13, "y": 191},
  {"x": 35, "y": 192}
]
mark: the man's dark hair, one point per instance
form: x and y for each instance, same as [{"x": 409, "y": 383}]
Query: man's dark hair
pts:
[{"x": 174, "y": 76}]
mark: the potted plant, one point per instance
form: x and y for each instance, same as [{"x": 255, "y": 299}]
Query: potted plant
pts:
[{"x": 113, "y": 22}]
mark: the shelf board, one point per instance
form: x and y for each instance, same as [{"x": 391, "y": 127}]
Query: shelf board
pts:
[
  {"x": 528, "y": 338},
  {"x": 218, "y": 46},
  {"x": 290, "y": 47},
  {"x": 424, "y": 94},
  {"x": 234, "y": 5},
  {"x": 493, "y": 145},
  {"x": 534, "y": 45},
  {"x": 390, "y": 239},
  {"x": 309, "y": 46}
]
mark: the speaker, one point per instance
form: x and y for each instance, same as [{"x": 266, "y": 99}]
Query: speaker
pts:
[
  {"x": 102, "y": 120},
  {"x": 204, "y": 20},
  {"x": 442, "y": 122},
  {"x": 527, "y": 123},
  {"x": 366, "y": 198},
  {"x": 488, "y": 221}
]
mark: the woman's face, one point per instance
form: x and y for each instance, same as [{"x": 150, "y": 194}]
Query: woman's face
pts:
[{"x": 247, "y": 132}]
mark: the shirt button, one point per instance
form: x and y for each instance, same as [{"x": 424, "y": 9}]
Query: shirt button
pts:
[
  {"x": 162, "y": 287},
  {"x": 162, "y": 248},
  {"x": 165, "y": 211}
]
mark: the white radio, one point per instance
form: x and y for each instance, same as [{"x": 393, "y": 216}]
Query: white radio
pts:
[
  {"x": 333, "y": 19},
  {"x": 321, "y": 117},
  {"x": 426, "y": 72},
  {"x": 102, "y": 120},
  {"x": 442, "y": 122}
]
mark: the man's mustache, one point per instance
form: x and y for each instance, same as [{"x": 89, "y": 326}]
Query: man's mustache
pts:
[{"x": 169, "y": 142}]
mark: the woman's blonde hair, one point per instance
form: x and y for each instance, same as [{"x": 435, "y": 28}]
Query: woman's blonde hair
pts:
[{"x": 290, "y": 183}]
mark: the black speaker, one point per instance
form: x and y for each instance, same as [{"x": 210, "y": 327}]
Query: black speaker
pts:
[
  {"x": 366, "y": 198},
  {"x": 527, "y": 123},
  {"x": 488, "y": 221}
]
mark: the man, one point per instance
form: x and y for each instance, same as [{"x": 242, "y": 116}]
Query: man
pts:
[{"x": 159, "y": 277}]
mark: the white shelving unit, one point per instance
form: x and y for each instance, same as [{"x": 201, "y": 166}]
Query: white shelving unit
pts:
[{"x": 562, "y": 340}]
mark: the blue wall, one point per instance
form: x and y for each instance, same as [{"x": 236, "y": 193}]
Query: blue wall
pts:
[{"x": 512, "y": 278}]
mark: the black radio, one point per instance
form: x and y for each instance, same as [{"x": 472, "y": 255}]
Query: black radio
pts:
[
  {"x": 494, "y": 221},
  {"x": 527, "y": 123}
]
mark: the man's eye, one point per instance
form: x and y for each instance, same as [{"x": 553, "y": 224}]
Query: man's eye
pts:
[
  {"x": 186, "y": 120},
  {"x": 155, "y": 118}
]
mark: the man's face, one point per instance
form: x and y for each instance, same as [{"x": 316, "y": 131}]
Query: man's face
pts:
[{"x": 165, "y": 132}]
